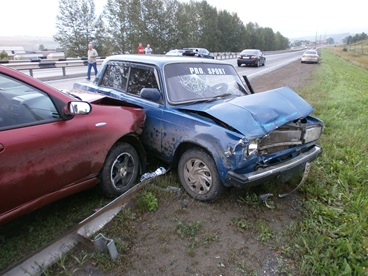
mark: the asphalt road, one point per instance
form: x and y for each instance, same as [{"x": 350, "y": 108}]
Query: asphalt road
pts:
[{"x": 77, "y": 74}]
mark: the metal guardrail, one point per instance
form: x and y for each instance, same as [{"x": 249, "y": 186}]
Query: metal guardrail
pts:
[
  {"x": 47, "y": 64},
  {"x": 225, "y": 55},
  {"x": 74, "y": 62},
  {"x": 67, "y": 63}
]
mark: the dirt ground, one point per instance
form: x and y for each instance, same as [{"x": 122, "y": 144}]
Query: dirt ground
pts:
[{"x": 236, "y": 235}]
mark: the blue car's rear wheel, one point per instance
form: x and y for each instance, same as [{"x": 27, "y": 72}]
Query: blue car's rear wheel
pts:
[{"x": 198, "y": 175}]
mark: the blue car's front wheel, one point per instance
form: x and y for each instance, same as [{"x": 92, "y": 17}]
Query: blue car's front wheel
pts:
[{"x": 198, "y": 175}]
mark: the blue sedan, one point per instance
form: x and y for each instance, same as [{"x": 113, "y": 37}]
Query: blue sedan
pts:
[{"x": 203, "y": 119}]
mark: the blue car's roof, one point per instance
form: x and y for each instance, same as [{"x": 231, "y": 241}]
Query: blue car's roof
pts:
[{"x": 161, "y": 60}]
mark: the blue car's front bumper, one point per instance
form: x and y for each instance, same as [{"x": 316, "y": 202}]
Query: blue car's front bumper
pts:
[{"x": 285, "y": 170}]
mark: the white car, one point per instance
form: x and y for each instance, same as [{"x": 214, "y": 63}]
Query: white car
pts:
[
  {"x": 175, "y": 52},
  {"x": 310, "y": 56}
]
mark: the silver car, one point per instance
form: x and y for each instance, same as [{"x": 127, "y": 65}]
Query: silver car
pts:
[
  {"x": 175, "y": 52},
  {"x": 310, "y": 56}
]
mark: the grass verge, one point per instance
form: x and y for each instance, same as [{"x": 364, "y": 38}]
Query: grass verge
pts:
[{"x": 332, "y": 239}]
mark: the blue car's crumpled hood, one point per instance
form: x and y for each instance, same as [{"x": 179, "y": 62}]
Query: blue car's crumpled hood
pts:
[{"x": 257, "y": 114}]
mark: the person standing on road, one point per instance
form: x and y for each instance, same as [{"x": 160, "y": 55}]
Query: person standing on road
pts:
[
  {"x": 92, "y": 55},
  {"x": 140, "y": 49},
  {"x": 148, "y": 50}
]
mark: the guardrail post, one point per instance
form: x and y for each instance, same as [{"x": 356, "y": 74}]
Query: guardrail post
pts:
[
  {"x": 31, "y": 72},
  {"x": 63, "y": 68}
]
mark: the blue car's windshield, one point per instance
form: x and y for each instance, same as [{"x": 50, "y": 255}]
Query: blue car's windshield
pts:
[{"x": 193, "y": 82}]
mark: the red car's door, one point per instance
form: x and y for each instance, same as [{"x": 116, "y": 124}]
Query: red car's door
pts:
[{"x": 39, "y": 152}]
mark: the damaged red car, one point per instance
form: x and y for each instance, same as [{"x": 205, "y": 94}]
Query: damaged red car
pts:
[{"x": 53, "y": 145}]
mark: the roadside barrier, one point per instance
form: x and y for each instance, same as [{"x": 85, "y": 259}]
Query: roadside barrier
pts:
[
  {"x": 67, "y": 63},
  {"x": 47, "y": 64}
]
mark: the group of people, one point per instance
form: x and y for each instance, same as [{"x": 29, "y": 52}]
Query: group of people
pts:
[
  {"x": 92, "y": 56},
  {"x": 141, "y": 50}
]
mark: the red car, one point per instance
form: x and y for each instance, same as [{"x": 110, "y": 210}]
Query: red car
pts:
[{"x": 53, "y": 145}]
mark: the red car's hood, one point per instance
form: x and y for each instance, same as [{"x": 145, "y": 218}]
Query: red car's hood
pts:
[{"x": 85, "y": 95}]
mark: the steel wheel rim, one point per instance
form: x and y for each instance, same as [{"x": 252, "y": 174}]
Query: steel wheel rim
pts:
[
  {"x": 197, "y": 176},
  {"x": 122, "y": 170}
]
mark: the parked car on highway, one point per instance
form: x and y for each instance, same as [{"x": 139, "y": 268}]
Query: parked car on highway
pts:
[
  {"x": 176, "y": 52},
  {"x": 198, "y": 52},
  {"x": 252, "y": 57},
  {"x": 53, "y": 144},
  {"x": 310, "y": 56},
  {"x": 203, "y": 120}
]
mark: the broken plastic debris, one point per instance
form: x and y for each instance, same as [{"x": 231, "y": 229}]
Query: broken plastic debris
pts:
[
  {"x": 306, "y": 172},
  {"x": 264, "y": 197},
  {"x": 157, "y": 172}
]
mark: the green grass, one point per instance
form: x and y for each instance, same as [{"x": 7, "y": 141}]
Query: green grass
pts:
[
  {"x": 332, "y": 238},
  {"x": 28, "y": 233}
]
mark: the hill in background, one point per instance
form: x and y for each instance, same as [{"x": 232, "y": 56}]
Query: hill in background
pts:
[
  {"x": 29, "y": 43},
  {"x": 338, "y": 38}
]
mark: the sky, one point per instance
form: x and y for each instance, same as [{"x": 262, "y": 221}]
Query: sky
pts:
[{"x": 293, "y": 19}]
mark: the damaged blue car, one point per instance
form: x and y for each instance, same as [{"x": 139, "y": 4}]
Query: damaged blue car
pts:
[{"x": 205, "y": 120}]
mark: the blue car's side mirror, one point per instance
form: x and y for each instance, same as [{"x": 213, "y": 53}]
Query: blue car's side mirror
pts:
[{"x": 151, "y": 94}]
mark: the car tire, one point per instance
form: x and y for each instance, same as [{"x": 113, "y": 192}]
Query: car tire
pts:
[
  {"x": 239, "y": 64},
  {"x": 264, "y": 62},
  {"x": 119, "y": 171},
  {"x": 258, "y": 63},
  {"x": 198, "y": 175}
]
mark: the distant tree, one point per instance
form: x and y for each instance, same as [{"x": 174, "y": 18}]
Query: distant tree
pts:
[
  {"x": 76, "y": 26},
  {"x": 347, "y": 40},
  {"x": 118, "y": 24},
  {"x": 281, "y": 42},
  {"x": 237, "y": 35},
  {"x": 41, "y": 47},
  {"x": 330, "y": 40},
  {"x": 135, "y": 25},
  {"x": 267, "y": 39},
  {"x": 156, "y": 30},
  {"x": 363, "y": 36},
  {"x": 187, "y": 25},
  {"x": 357, "y": 37},
  {"x": 102, "y": 42},
  {"x": 170, "y": 36},
  {"x": 210, "y": 36},
  {"x": 251, "y": 35},
  {"x": 230, "y": 30},
  {"x": 4, "y": 55}
]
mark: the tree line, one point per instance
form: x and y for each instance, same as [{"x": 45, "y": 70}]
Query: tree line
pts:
[
  {"x": 164, "y": 24},
  {"x": 356, "y": 38}
]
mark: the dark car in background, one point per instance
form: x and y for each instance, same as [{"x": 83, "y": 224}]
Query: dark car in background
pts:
[
  {"x": 197, "y": 52},
  {"x": 251, "y": 57},
  {"x": 203, "y": 120},
  {"x": 53, "y": 145}
]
